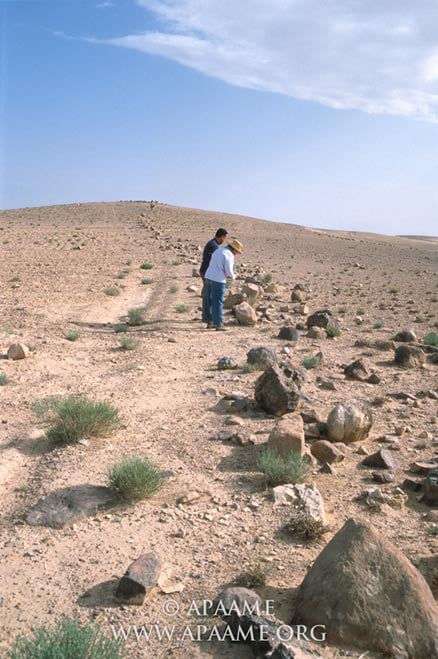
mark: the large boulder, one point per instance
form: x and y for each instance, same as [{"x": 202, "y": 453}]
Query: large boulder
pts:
[
  {"x": 277, "y": 393},
  {"x": 261, "y": 357},
  {"x": 245, "y": 314},
  {"x": 349, "y": 422},
  {"x": 368, "y": 595},
  {"x": 288, "y": 436}
]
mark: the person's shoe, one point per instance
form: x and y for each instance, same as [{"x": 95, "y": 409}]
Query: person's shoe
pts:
[
  {"x": 210, "y": 326},
  {"x": 221, "y": 328}
]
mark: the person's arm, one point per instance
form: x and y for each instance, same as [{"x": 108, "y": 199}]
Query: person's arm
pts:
[
  {"x": 206, "y": 256},
  {"x": 229, "y": 264}
]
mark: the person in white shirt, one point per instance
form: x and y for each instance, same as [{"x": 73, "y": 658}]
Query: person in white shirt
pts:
[{"x": 220, "y": 269}]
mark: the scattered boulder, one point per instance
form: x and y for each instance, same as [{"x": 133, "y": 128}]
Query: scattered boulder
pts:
[
  {"x": 320, "y": 318},
  {"x": 326, "y": 452},
  {"x": 316, "y": 333},
  {"x": 431, "y": 488},
  {"x": 261, "y": 357},
  {"x": 306, "y": 497},
  {"x": 357, "y": 370},
  {"x": 226, "y": 363},
  {"x": 18, "y": 351},
  {"x": 276, "y": 393},
  {"x": 288, "y": 436},
  {"x": 289, "y": 333},
  {"x": 405, "y": 336},
  {"x": 297, "y": 296},
  {"x": 372, "y": 598},
  {"x": 245, "y": 314},
  {"x": 140, "y": 577},
  {"x": 253, "y": 292},
  {"x": 349, "y": 422},
  {"x": 238, "y": 599},
  {"x": 409, "y": 356},
  {"x": 69, "y": 505},
  {"x": 383, "y": 476},
  {"x": 382, "y": 459},
  {"x": 233, "y": 300}
]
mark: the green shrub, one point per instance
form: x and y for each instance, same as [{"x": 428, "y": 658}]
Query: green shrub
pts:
[
  {"x": 146, "y": 266},
  {"x": 74, "y": 417},
  {"x": 310, "y": 362},
  {"x": 182, "y": 308},
  {"x": 136, "y": 316},
  {"x": 279, "y": 469},
  {"x": 267, "y": 278},
  {"x": 251, "y": 368},
  {"x": 72, "y": 335},
  {"x": 307, "y": 527},
  {"x": 378, "y": 324},
  {"x": 147, "y": 280},
  {"x": 135, "y": 478},
  {"x": 173, "y": 289},
  {"x": 332, "y": 331},
  {"x": 360, "y": 312},
  {"x": 3, "y": 379},
  {"x": 67, "y": 640},
  {"x": 431, "y": 339},
  {"x": 121, "y": 328},
  {"x": 256, "y": 575},
  {"x": 176, "y": 262},
  {"x": 128, "y": 343},
  {"x": 112, "y": 291}
]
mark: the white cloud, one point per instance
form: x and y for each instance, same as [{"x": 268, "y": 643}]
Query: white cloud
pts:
[
  {"x": 104, "y": 5},
  {"x": 380, "y": 56}
]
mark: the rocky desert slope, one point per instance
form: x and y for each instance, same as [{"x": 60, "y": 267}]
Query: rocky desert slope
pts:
[{"x": 215, "y": 518}]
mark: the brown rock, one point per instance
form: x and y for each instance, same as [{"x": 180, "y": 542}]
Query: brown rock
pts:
[
  {"x": 409, "y": 356},
  {"x": 140, "y": 577},
  {"x": 297, "y": 296},
  {"x": 423, "y": 467},
  {"x": 18, "y": 351},
  {"x": 356, "y": 370},
  {"x": 233, "y": 300},
  {"x": 288, "y": 436},
  {"x": 382, "y": 459},
  {"x": 245, "y": 314},
  {"x": 368, "y": 595},
  {"x": 326, "y": 452},
  {"x": 316, "y": 333}
]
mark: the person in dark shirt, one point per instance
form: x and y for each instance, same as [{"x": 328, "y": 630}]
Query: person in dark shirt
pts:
[{"x": 211, "y": 247}]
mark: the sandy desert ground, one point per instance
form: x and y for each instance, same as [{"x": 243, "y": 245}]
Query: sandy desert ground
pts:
[{"x": 56, "y": 263}]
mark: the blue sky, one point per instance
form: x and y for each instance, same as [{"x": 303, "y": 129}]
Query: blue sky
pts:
[{"x": 302, "y": 111}]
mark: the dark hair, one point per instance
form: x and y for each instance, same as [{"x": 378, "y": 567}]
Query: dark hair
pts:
[{"x": 221, "y": 232}]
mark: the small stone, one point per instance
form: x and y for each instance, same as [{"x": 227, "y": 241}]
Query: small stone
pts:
[
  {"x": 289, "y": 334},
  {"x": 383, "y": 476},
  {"x": 405, "y": 336},
  {"x": 423, "y": 467},
  {"x": 408, "y": 356},
  {"x": 382, "y": 459},
  {"x": 326, "y": 452},
  {"x": 140, "y": 577},
  {"x": 226, "y": 363}
]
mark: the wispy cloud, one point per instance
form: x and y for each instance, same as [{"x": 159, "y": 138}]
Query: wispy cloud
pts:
[
  {"x": 103, "y": 5},
  {"x": 379, "y": 56}
]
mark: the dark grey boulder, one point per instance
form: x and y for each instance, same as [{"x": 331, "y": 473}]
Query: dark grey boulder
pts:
[
  {"x": 276, "y": 393},
  {"x": 70, "y": 504}
]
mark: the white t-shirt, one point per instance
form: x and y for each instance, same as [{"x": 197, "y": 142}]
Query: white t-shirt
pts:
[{"x": 221, "y": 265}]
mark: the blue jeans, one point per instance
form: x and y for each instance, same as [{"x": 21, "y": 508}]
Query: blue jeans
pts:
[{"x": 212, "y": 308}]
